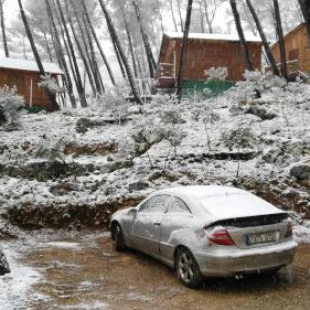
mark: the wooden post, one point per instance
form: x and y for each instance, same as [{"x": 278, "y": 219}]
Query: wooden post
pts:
[{"x": 31, "y": 93}]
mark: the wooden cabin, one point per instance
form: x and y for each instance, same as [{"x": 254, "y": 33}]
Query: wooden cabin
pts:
[
  {"x": 205, "y": 50},
  {"x": 24, "y": 74},
  {"x": 297, "y": 51}
]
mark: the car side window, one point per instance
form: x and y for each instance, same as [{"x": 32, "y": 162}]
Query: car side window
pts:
[
  {"x": 156, "y": 204},
  {"x": 178, "y": 206}
]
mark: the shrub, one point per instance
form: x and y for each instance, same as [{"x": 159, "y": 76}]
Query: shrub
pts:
[
  {"x": 255, "y": 84},
  {"x": 51, "y": 150},
  {"x": 50, "y": 84},
  {"x": 10, "y": 103},
  {"x": 115, "y": 100}
]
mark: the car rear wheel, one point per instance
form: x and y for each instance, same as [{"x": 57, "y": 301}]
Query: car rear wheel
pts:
[
  {"x": 187, "y": 269},
  {"x": 118, "y": 238}
]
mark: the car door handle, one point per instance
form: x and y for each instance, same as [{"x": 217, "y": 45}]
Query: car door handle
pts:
[{"x": 156, "y": 224}]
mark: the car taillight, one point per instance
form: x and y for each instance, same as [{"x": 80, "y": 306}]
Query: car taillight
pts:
[
  {"x": 289, "y": 231},
  {"x": 220, "y": 237}
]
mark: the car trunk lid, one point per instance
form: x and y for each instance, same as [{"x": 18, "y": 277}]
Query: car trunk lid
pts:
[{"x": 254, "y": 231}]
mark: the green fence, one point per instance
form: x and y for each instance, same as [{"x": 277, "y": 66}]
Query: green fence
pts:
[{"x": 207, "y": 89}]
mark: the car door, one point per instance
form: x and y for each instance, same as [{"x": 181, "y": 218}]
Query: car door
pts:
[
  {"x": 175, "y": 227},
  {"x": 145, "y": 231}
]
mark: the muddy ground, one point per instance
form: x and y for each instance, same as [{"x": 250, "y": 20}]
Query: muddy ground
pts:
[{"x": 80, "y": 270}]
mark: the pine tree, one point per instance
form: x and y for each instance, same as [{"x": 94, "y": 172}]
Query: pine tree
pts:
[
  {"x": 116, "y": 42},
  {"x": 281, "y": 39},
  {"x": 3, "y": 29},
  {"x": 248, "y": 60},
  {"x": 52, "y": 96},
  {"x": 261, "y": 32},
  {"x": 184, "y": 48}
]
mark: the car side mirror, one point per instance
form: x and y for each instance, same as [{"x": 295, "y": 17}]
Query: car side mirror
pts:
[{"x": 133, "y": 212}]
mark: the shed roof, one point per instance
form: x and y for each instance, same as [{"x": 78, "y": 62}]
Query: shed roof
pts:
[
  {"x": 28, "y": 65},
  {"x": 213, "y": 36}
]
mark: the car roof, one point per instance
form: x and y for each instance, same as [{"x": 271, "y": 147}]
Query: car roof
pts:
[
  {"x": 222, "y": 202},
  {"x": 199, "y": 191}
]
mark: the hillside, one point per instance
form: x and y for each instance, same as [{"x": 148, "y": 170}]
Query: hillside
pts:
[{"x": 74, "y": 167}]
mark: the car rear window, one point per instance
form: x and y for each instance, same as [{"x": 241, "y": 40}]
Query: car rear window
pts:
[{"x": 236, "y": 205}]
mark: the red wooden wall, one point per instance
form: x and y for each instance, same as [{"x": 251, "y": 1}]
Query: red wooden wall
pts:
[
  {"x": 22, "y": 80},
  {"x": 203, "y": 54}
]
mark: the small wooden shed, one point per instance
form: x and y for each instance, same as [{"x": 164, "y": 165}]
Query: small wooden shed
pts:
[
  {"x": 297, "y": 51},
  {"x": 206, "y": 50},
  {"x": 24, "y": 74}
]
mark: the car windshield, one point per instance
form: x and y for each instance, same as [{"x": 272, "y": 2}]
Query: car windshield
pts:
[{"x": 236, "y": 205}]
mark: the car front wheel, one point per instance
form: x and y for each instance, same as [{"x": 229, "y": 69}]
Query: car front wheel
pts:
[
  {"x": 187, "y": 269},
  {"x": 118, "y": 238}
]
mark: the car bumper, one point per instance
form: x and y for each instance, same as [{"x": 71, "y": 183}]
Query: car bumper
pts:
[{"x": 246, "y": 261}]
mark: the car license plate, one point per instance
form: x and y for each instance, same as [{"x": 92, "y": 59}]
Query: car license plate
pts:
[{"x": 258, "y": 238}]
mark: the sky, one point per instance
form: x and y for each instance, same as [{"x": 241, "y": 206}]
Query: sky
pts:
[{"x": 10, "y": 9}]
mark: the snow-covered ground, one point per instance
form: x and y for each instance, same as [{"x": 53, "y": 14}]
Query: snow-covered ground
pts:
[{"x": 15, "y": 287}]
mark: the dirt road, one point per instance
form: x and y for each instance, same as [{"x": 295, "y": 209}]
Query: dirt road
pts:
[{"x": 81, "y": 271}]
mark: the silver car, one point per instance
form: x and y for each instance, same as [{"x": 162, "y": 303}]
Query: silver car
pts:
[{"x": 205, "y": 231}]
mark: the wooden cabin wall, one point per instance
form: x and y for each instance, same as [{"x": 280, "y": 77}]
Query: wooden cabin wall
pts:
[
  {"x": 297, "y": 47},
  {"x": 22, "y": 80},
  {"x": 202, "y": 55}
]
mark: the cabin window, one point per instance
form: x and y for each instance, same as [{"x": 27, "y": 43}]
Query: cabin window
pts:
[{"x": 293, "y": 54}]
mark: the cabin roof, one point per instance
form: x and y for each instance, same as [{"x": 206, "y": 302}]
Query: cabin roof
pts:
[
  {"x": 291, "y": 32},
  {"x": 295, "y": 29},
  {"x": 214, "y": 36},
  {"x": 28, "y": 65}
]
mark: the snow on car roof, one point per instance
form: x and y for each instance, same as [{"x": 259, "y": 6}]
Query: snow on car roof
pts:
[
  {"x": 240, "y": 205},
  {"x": 198, "y": 191},
  {"x": 28, "y": 65},
  {"x": 223, "y": 202},
  {"x": 214, "y": 36}
]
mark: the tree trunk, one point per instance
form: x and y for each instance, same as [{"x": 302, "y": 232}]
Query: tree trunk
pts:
[
  {"x": 270, "y": 57},
  {"x": 90, "y": 43},
  {"x": 180, "y": 15},
  {"x": 150, "y": 57},
  {"x": 84, "y": 56},
  {"x": 281, "y": 39},
  {"x": 305, "y": 9},
  {"x": 79, "y": 84},
  {"x": 173, "y": 16},
  {"x": 47, "y": 46},
  {"x": 116, "y": 41},
  {"x": 60, "y": 54},
  {"x": 54, "y": 104},
  {"x": 201, "y": 17},
  {"x": 85, "y": 53},
  {"x": 160, "y": 15},
  {"x": 119, "y": 60},
  {"x": 98, "y": 43},
  {"x": 209, "y": 18},
  {"x": 184, "y": 49},
  {"x": 248, "y": 61},
  {"x": 135, "y": 69},
  {"x": 4, "y": 38}
]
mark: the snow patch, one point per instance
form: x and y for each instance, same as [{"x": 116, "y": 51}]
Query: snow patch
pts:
[
  {"x": 301, "y": 233},
  {"x": 61, "y": 244},
  {"x": 15, "y": 287}
]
